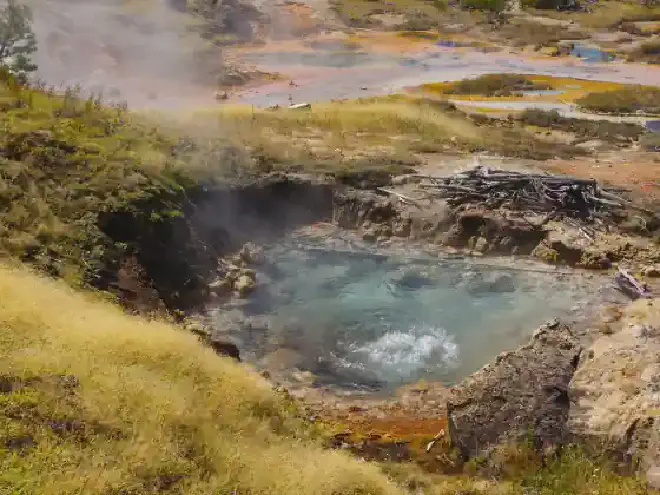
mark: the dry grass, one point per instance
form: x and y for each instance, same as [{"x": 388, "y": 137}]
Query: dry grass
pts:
[
  {"x": 343, "y": 135},
  {"x": 412, "y": 15},
  {"x": 94, "y": 401},
  {"x": 375, "y": 131}
]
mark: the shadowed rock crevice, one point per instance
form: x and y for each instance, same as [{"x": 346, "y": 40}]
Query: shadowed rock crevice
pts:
[{"x": 177, "y": 255}]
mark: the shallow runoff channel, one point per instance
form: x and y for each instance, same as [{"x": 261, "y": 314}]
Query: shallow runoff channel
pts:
[
  {"x": 322, "y": 75},
  {"x": 362, "y": 317}
]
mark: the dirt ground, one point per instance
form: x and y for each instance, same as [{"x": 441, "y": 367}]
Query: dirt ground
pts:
[{"x": 638, "y": 171}]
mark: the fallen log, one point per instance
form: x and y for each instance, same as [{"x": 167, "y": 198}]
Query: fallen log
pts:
[
  {"x": 402, "y": 198},
  {"x": 630, "y": 286}
]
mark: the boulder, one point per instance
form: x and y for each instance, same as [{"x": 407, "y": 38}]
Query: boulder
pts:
[
  {"x": 252, "y": 254},
  {"x": 370, "y": 234},
  {"x": 568, "y": 243},
  {"x": 524, "y": 391},
  {"x": 481, "y": 245},
  {"x": 615, "y": 392},
  {"x": 245, "y": 285},
  {"x": 352, "y": 208},
  {"x": 401, "y": 228},
  {"x": 221, "y": 286}
]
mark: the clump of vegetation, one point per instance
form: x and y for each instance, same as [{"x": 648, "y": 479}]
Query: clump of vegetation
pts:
[
  {"x": 524, "y": 33},
  {"x": 614, "y": 132},
  {"x": 577, "y": 473},
  {"x": 416, "y": 15},
  {"x": 646, "y": 52},
  {"x": 631, "y": 99},
  {"x": 651, "y": 141},
  {"x": 488, "y": 5},
  {"x": 496, "y": 85}
]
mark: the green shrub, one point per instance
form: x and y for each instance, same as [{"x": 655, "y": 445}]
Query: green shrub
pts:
[
  {"x": 647, "y": 52},
  {"x": 615, "y": 132},
  {"x": 496, "y": 85},
  {"x": 627, "y": 100},
  {"x": 489, "y": 5}
]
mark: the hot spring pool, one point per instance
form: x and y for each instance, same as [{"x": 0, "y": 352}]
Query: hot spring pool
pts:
[{"x": 382, "y": 320}]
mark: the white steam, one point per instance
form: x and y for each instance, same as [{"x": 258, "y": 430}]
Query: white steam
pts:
[{"x": 140, "y": 51}]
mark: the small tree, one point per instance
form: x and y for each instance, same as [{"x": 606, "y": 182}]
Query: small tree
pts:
[{"x": 17, "y": 40}]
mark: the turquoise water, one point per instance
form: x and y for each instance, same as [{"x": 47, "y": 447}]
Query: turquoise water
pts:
[
  {"x": 591, "y": 53},
  {"x": 365, "y": 319}
]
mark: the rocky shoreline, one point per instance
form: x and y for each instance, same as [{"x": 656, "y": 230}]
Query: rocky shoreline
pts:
[{"x": 596, "y": 387}]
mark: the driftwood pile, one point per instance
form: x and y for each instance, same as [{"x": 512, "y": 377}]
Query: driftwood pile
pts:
[{"x": 544, "y": 193}]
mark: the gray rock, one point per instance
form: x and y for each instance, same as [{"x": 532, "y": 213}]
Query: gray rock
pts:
[
  {"x": 245, "y": 285},
  {"x": 370, "y": 235},
  {"x": 252, "y": 254},
  {"x": 523, "y": 391},
  {"x": 481, "y": 245},
  {"x": 615, "y": 395},
  {"x": 221, "y": 286}
]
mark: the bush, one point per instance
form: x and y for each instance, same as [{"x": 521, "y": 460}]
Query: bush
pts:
[
  {"x": 647, "y": 52},
  {"x": 627, "y": 100},
  {"x": 496, "y": 85},
  {"x": 489, "y": 5},
  {"x": 614, "y": 132}
]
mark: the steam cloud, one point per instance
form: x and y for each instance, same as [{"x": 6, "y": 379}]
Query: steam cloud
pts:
[{"x": 140, "y": 51}]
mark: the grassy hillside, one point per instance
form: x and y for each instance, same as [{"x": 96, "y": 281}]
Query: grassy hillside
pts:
[
  {"x": 63, "y": 162},
  {"x": 93, "y": 401}
]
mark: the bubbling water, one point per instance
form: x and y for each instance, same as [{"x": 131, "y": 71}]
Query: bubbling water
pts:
[{"x": 385, "y": 319}]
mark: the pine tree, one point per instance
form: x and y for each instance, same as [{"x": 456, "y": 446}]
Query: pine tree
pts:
[{"x": 17, "y": 40}]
